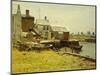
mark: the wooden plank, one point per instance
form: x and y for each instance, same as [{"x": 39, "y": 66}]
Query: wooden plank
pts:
[{"x": 78, "y": 55}]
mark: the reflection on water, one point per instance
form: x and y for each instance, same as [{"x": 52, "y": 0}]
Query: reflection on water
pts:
[{"x": 88, "y": 49}]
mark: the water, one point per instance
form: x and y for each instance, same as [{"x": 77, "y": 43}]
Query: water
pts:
[{"x": 88, "y": 49}]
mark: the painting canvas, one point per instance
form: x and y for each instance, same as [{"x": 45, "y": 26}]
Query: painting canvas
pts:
[{"x": 51, "y": 37}]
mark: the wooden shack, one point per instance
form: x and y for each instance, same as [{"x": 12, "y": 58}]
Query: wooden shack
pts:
[
  {"x": 27, "y": 21},
  {"x": 60, "y": 33}
]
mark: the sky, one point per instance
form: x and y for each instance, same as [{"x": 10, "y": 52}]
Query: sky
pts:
[{"x": 75, "y": 18}]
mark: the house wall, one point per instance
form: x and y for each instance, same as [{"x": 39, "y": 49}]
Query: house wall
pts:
[
  {"x": 45, "y": 31},
  {"x": 60, "y": 36},
  {"x": 16, "y": 27},
  {"x": 55, "y": 35},
  {"x": 66, "y": 35},
  {"x": 27, "y": 23}
]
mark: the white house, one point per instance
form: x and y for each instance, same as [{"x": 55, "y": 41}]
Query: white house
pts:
[{"x": 44, "y": 28}]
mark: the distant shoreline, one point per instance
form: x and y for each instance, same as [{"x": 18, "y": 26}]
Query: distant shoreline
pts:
[{"x": 84, "y": 38}]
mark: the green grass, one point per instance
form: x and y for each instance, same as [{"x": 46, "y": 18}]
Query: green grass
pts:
[{"x": 46, "y": 60}]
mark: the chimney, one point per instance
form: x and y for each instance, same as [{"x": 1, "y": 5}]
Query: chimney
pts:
[
  {"x": 45, "y": 17},
  {"x": 27, "y": 13}
]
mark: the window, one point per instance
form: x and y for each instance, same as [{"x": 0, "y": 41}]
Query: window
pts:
[
  {"x": 44, "y": 28},
  {"x": 47, "y": 27}
]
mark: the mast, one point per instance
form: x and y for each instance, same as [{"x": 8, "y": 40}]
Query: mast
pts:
[{"x": 39, "y": 13}]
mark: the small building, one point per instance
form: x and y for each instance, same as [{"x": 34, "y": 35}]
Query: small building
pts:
[
  {"x": 44, "y": 28},
  {"x": 60, "y": 33},
  {"x": 16, "y": 25},
  {"x": 27, "y": 22}
]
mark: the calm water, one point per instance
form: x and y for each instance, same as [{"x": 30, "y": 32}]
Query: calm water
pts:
[{"x": 88, "y": 49}]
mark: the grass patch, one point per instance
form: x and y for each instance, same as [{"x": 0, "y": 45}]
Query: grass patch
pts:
[{"x": 47, "y": 60}]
